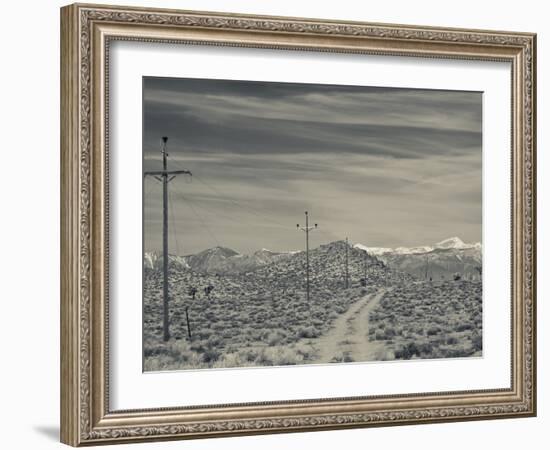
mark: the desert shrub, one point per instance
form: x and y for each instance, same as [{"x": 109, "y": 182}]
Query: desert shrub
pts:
[
  {"x": 210, "y": 355},
  {"x": 426, "y": 348},
  {"x": 227, "y": 334},
  {"x": 214, "y": 341},
  {"x": 348, "y": 357},
  {"x": 286, "y": 357},
  {"x": 338, "y": 308},
  {"x": 152, "y": 351},
  {"x": 408, "y": 351},
  {"x": 264, "y": 358},
  {"x": 389, "y": 332},
  {"x": 477, "y": 342},
  {"x": 198, "y": 346},
  {"x": 341, "y": 357},
  {"x": 454, "y": 352},
  {"x": 218, "y": 326},
  {"x": 398, "y": 354},
  {"x": 379, "y": 335},
  {"x": 451, "y": 340},
  {"x": 463, "y": 327},
  {"x": 306, "y": 352},
  {"x": 308, "y": 332},
  {"x": 275, "y": 338},
  {"x": 248, "y": 355},
  {"x": 318, "y": 322},
  {"x": 433, "y": 331},
  {"x": 204, "y": 333},
  {"x": 229, "y": 360}
]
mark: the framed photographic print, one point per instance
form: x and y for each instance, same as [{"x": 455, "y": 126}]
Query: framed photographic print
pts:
[{"x": 274, "y": 224}]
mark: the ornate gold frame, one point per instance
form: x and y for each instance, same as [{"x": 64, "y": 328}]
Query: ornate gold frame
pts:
[{"x": 86, "y": 31}]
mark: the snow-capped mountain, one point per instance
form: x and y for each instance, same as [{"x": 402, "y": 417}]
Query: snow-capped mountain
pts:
[
  {"x": 217, "y": 260},
  {"x": 454, "y": 242},
  {"x": 374, "y": 251},
  {"x": 444, "y": 259},
  {"x": 153, "y": 260},
  {"x": 450, "y": 243}
]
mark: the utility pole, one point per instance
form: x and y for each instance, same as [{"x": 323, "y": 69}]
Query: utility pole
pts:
[
  {"x": 427, "y": 262},
  {"x": 165, "y": 176},
  {"x": 307, "y": 229},
  {"x": 347, "y": 264},
  {"x": 365, "y": 265},
  {"x": 188, "y": 324},
  {"x": 428, "y": 269}
]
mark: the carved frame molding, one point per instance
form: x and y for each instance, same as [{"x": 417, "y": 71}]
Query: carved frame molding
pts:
[{"x": 86, "y": 32}]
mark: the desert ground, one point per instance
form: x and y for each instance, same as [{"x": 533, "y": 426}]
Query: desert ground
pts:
[{"x": 262, "y": 317}]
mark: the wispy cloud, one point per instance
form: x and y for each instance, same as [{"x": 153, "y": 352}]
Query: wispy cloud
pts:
[{"x": 382, "y": 166}]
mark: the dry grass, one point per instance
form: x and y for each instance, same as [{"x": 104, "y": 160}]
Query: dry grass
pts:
[
  {"x": 430, "y": 320},
  {"x": 241, "y": 324}
]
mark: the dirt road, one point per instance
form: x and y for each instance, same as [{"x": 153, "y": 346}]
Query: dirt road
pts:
[{"x": 348, "y": 339}]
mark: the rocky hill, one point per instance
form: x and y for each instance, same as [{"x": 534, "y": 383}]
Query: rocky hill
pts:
[
  {"x": 270, "y": 272},
  {"x": 327, "y": 265}
]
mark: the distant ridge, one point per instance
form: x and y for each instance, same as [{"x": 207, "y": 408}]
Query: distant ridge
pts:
[
  {"x": 217, "y": 260},
  {"x": 449, "y": 243},
  {"x": 444, "y": 260}
]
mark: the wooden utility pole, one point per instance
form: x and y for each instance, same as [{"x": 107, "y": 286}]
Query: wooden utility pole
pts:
[
  {"x": 365, "y": 259},
  {"x": 165, "y": 176},
  {"x": 428, "y": 268},
  {"x": 365, "y": 265},
  {"x": 347, "y": 263},
  {"x": 188, "y": 324},
  {"x": 307, "y": 229}
]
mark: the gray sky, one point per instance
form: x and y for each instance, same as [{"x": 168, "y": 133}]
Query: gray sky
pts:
[{"x": 383, "y": 166}]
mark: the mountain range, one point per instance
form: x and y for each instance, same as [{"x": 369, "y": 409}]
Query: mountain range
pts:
[
  {"x": 281, "y": 273},
  {"x": 443, "y": 260},
  {"x": 218, "y": 260},
  {"x": 454, "y": 243}
]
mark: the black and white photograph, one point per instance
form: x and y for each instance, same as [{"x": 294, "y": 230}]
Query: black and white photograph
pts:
[{"x": 288, "y": 224}]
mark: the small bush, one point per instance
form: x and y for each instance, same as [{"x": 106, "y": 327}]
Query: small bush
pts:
[
  {"x": 210, "y": 355},
  {"x": 477, "y": 342},
  {"x": 464, "y": 327},
  {"x": 308, "y": 332},
  {"x": 408, "y": 351},
  {"x": 275, "y": 338}
]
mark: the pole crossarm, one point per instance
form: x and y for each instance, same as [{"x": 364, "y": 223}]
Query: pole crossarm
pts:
[
  {"x": 165, "y": 176},
  {"x": 166, "y": 172}
]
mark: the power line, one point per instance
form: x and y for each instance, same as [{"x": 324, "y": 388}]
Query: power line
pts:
[
  {"x": 165, "y": 176},
  {"x": 204, "y": 224},
  {"x": 217, "y": 214},
  {"x": 235, "y": 202},
  {"x": 173, "y": 228},
  {"x": 206, "y": 227}
]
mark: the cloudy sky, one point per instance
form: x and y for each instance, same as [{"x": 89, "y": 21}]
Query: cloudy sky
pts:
[{"x": 382, "y": 166}]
